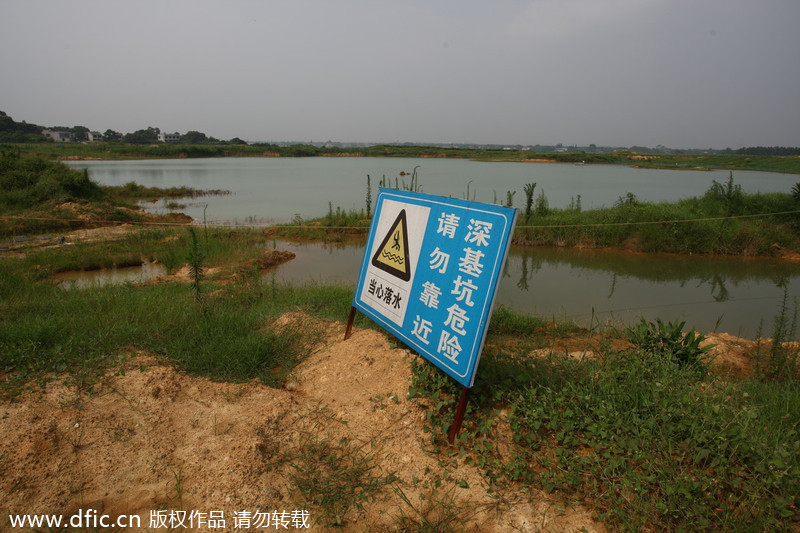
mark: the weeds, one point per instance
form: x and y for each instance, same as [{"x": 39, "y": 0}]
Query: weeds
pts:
[
  {"x": 729, "y": 195},
  {"x": 635, "y": 433},
  {"x": 528, "y": 189},
  {"x": 47, "y": 330},
  {"x": 195, "y": 258},
  {"x": 437, "y": 512},
  {"x": 668, "y": 340},
  {"x": 369, "y": 197},
  {"x": 335, "y": 475},
  {"x": 781, "y": 362},
  {"x": 690, "y": 225}
]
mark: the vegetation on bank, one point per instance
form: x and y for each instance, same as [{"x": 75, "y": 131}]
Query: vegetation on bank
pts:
[
  {"x": 121, "y": 151},
  {"x": 38, "y": 195},
  {"x": 725, "y": 220},
  {"x": 644, "y": 435},
  {"x": 642, "y": 431}
]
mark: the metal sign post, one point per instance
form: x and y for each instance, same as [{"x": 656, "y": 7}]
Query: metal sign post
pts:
[{"x": 429, "y": 276}]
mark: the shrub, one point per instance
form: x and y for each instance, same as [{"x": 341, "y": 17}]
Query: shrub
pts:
[{"x": 668, "y": 340}]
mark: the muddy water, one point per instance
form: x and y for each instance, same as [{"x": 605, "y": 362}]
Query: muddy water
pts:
[
  {"x": 732, "y": 295},
  {"x": 590, "y": 287},
  {"x": 109, "y": 276}
]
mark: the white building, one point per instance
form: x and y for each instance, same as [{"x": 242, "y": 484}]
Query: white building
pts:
[
  {"x": 169, "y": 137},
  {"x": 59, "y": 136}
]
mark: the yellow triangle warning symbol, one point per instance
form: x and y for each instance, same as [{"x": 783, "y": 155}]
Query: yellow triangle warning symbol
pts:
[{"x": 392, "y": 255}]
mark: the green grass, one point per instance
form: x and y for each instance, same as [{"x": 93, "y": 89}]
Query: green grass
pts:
[
  {"x": 133, "y": 191},
  {"x": 38, "y": 196},
  {"x": 337, "y": 226},
  {"x": 227, "y": 335},
  {"x": 747, "y": 224},
  {"x": 648, "y": 441},
  {"x": 52, "y": 330},
  {"x": 120, "y": 151},
  {"x": 725, "y": 220}
]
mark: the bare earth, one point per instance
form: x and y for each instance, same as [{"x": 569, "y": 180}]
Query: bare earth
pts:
[
  {"x": 150, "y": 438},
  {"x": 153, "y": 438}
]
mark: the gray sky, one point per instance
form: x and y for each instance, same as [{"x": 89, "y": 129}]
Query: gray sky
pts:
[{"x": 682, "y": 73}]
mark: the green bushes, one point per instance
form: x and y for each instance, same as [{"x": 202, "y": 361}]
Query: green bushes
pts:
[
  {"x": 668, "y": 340},
  {"x": 26, "y": 182},
  {"x": 707, "y": 225}
]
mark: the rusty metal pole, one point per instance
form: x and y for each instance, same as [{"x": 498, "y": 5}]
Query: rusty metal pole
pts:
[
  {"x": 459, "y": 419},
  {"x": 350, "y": 320}
]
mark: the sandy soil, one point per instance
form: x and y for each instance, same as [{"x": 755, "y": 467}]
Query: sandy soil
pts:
[{"x": 148, "y": 437}]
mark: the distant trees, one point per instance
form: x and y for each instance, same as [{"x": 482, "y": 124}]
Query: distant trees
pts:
[
  {"x": 19, "y": 132},
  {"x": 768, "y": 150},
  {"x": 194, "y": 137},
  {"x": 112, "y": 136},
  {"x": 147, "y": 136}
]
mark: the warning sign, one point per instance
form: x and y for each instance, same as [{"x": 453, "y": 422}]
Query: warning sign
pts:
[
  {"x": 430, "y": 273},
  {"x": 392, "y": 255}
]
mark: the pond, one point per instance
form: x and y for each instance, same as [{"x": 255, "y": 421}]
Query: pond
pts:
[
  {"x": 109, "y": 276},
  {"x": 270, "y": 190},
  {"x": 738, "y": 296},
  {"x": 591, "y": 287}
]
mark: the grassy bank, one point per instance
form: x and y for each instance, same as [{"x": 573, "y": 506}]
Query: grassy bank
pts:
[
  {"x": 725, "y": 220},
  {"x": 649, "y": 443},
  {"x": 119, "y": 151},
  {"x": 218, "y": 327},
  {"x": 39, "y": 196}
]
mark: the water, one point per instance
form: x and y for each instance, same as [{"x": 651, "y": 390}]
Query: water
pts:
[
  {"x": 269, "y": 190},
  {"x": 590, "y": 287},
  {"x": 738, "y": 296},
  {"x": 109, "y": 276}
]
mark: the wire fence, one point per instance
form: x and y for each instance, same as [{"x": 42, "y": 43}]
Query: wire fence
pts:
[{"x": 228, "y": 225}]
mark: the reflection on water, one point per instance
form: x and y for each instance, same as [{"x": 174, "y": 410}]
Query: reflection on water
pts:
[
  {"x": 110, "y": 276},
  {"x": 733, "y": 295},
  {"x": 590, "y": 286}
]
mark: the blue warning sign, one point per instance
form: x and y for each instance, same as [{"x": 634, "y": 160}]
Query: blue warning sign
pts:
[{"x": 430, "y": 273}]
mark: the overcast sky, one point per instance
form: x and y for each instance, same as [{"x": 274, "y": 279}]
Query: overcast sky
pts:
[{"x": 682, "y": 73}]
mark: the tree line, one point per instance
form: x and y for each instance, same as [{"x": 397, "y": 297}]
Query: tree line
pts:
[{"x": 22, "y": 132}]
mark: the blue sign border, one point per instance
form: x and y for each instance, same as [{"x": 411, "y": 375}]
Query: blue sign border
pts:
[{"x": 397, "y": 305}]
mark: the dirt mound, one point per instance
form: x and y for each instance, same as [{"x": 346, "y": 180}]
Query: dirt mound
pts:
[
  {"x": 149, "y": 437},
  {"x": 271, "y": 258}
]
